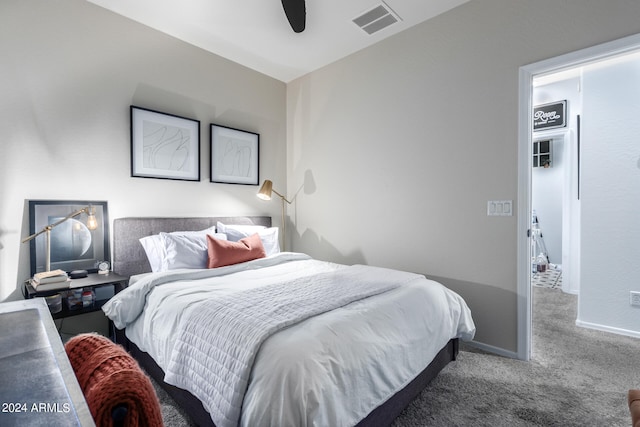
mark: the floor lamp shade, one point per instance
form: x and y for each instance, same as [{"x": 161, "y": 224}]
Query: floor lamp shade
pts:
[
  {"x": 265, "y": 190},
  {"x": 265, "y": 194}
]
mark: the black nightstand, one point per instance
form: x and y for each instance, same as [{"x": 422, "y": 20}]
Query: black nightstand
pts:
[{"x": 106, "y": 285}]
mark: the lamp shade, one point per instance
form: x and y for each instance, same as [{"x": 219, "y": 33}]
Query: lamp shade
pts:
[{"x": 265, "y": 190}]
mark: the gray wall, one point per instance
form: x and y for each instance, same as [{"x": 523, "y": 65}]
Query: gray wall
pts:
[
  {"x": 394, "y": 151},
  {"x": 68, "y": 74},
  {"x": 391, "y": 154}
]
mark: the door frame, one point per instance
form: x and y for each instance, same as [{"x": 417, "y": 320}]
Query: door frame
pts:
[{"x": 525, "y": 108}]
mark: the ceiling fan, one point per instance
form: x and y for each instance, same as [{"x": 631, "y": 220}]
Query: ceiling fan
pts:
[{"x": 296, "y": 14}]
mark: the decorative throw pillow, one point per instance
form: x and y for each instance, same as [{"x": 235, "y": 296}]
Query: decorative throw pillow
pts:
[{"x": 223, "y": 252}]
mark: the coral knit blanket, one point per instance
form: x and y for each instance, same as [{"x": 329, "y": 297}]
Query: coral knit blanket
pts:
[{"x": 109, "y": 377}]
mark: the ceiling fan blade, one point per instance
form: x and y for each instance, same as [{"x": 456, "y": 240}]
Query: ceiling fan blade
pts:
[{"x": 296, "y": 14}]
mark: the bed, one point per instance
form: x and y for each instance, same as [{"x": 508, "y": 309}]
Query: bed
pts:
[{"x": 338, "y": 355}]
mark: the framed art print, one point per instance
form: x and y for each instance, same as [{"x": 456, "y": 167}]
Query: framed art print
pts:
[
  {"x": 234, "y": 155},
  {"x": 164, "y": 146},
  {"x": 73, "y": 244}
]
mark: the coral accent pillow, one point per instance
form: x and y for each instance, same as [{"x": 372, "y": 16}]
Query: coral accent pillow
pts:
[{"x": 224, "y": 252}]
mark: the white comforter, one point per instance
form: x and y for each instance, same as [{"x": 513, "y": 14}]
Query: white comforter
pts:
[{"x": 331, "y": 369}]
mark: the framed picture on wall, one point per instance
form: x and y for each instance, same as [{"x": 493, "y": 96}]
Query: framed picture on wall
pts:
[
  {"x": 550, "y": 116},
  {"x": 235, "y": 155},
  {"x": 164, "y": 146},
  {"x": 74, "y": 244}
]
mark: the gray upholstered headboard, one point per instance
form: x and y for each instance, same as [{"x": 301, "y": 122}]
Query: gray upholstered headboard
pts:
[{"x": 129, "y": 257}]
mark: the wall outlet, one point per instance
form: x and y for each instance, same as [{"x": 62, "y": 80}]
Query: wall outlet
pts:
[{"x": 635, "y": 299}]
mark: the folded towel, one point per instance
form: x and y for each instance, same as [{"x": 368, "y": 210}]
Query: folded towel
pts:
[{"x": 110, "y": 378}]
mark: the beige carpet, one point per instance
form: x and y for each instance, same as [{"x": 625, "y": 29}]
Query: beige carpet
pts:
[{"x": 578, "y": 377}]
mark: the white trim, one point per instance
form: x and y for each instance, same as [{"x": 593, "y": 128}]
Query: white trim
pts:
[
  {"x": 604, "y": 328},
  {"x": 523, "y": 269},
  {"x": 526, "y": 74},
  {"x": 491, "y": 349}
]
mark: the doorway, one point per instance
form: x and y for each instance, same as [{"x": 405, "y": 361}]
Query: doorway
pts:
[
  {"x": 555, "y": 199},
  {"x": 572, "y": 61}
]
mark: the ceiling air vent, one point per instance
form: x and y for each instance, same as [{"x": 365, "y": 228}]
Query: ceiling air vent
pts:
[{"x": 377, "y": 18}]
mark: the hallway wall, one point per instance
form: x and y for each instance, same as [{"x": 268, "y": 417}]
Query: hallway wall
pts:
[{"x": 610, "y": 197}]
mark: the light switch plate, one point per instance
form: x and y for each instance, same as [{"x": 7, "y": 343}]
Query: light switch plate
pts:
[
  {"x": 635, "y": 299},
  {"x": 500, "y": 208}
]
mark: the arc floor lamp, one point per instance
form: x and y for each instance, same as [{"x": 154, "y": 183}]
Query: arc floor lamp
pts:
[{"x": 265, "y": 194}]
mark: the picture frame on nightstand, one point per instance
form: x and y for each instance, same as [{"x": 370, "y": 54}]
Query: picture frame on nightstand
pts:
[{"x": 73, "y": 245}]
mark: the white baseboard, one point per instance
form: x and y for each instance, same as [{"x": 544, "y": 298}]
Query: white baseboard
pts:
[
  {"x": 603, "y": 328},
  {"x": 491, "y": 349}
]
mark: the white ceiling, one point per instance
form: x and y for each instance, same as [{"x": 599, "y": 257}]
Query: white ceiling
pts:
[{"x": 256, "y": 33}]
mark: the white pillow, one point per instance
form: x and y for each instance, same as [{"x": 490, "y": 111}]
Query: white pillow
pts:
[
  {"x": 269, "y": 236},
  {"x": 248, "y": 229},
  {"x": 154, "y": 246},
  {"x": 187, "y": 250},
  {"x": 154, "y": 249}
]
